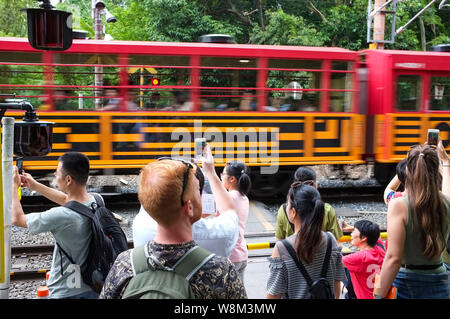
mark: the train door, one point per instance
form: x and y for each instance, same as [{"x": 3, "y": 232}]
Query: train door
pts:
[{"x": 421, "y": 101}]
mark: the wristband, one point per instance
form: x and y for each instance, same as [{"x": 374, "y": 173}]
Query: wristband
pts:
[{"x": 375, "y": 296}]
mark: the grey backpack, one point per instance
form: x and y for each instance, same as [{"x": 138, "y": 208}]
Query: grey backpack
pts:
[{"x": 167, "y": 283}]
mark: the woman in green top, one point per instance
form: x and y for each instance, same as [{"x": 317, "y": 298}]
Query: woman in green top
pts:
[
  {"x": 418, "y": 227},
  {"x": 284, "y": 228}
]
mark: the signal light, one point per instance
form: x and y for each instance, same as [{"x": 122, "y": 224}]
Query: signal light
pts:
[
  {"x": 155, "y": 81},
  {"x": 49, "y": 29}
]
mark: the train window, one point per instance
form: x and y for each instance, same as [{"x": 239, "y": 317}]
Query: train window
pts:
[
  {"x": 440, "y": 93},
  {"x": 228, "y": 84},
  {"x": 409, "y": 89},
  {"x": 341, "y": 65},
  {"x": 26, "y": 77},
  {"x": 80, "y": 69},
  {"x": 341, "y": 101},
  {"x": 294, "y": 64},
  {"x": 299, "y": 81},
  {"x": 170, "y": 72},
  {"x": 19, "y": 57}
]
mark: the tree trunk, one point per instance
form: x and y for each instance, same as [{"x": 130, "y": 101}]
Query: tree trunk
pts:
[
  {"x": 233, "y": 9},
  {"x": 261, "y": 14},
  {"x": 317, "y": 10}
]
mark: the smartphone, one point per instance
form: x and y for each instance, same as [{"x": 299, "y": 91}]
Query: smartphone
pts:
[
  {"x": 433, "y": 136},
  {"x": 19, "y": 164},
  {"x": 199, "y": 147}
]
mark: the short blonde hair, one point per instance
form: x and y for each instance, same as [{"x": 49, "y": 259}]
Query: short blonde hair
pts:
[{"x": 160, "y": 187}]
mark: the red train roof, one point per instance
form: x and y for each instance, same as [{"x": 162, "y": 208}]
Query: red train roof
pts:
[
  {"x": 412, "y": 60},
  {"x": 188, "y": 48}
]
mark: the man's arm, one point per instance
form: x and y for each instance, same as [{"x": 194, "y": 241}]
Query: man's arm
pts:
[
  {"x": 18, "y": 216},
  {"x": 52, "y": 194}
]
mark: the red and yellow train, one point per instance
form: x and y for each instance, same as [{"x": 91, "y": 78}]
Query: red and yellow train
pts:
[{"x": 126, "y": 103}]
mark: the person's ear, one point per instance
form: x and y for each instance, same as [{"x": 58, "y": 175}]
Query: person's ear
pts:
[
  {"x": 292, "y": 213},
  {"x": 189, "y": 208}
]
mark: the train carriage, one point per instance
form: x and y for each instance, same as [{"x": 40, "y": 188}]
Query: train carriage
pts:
[
  {"x": 274, "y": 107},
  {"x": 126, "y": 103},
  {"x": 409, "y": 93}
]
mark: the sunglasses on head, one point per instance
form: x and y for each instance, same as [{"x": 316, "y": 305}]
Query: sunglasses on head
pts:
[{"x": 189, "y": 165}]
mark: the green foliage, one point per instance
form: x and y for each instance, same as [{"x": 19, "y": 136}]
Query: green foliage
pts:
[
  {"x": 341, "y": 23},
  {"x": 286, "y": 29},
  {"x": 13, "y": 22},
  {"x": 347, "y": 25},
  {"x": 165, "y": 20}
]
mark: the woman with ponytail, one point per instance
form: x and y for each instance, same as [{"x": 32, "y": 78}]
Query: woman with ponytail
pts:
[
  {"x": 235, "y": 178},
  {"x": 418, "y": 227},
  {"x": 330, "y": 223},
  {"x": 305, "y": 210}
]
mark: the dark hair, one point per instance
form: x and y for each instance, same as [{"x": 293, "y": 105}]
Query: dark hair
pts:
[
  {"x": 76, "y": 165},
  {"x": 311, "y": 210},
  {"x": 401, "y": 171},
  {"x": 368, "y": 229},
  {"x": 304, "y": 173},
  {"x": 427, "y": 207},
  {"x": 241, "y": 172}
]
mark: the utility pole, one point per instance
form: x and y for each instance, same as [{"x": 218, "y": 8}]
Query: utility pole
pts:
[
  {"x": 378, "y": 25},
  {"x": 6, "y": 177},
  {"x": 97, "y": 12}
]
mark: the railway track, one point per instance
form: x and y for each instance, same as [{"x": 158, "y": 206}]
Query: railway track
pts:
[{"x": 38, "y": 202}]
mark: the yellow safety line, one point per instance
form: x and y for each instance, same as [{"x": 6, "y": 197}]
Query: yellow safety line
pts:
[
  {"x": 268, "y": 226},
  {"x": 266, "y": 245},
  {"x": 348, "y": 238},
  {"x": 259, "y": 246}
]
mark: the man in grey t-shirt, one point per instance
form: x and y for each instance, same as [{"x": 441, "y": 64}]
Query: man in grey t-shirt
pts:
[{"x": 71, "y": 230}]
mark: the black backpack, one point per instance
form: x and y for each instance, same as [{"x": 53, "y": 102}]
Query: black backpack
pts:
[
  {"x": 107, "y": 242},
  {"x": 319, "y": 288}
]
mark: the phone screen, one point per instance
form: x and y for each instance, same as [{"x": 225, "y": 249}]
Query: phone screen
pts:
[
  {"x": 199, "y": 147},
  {"x": 433, "y": 137}
]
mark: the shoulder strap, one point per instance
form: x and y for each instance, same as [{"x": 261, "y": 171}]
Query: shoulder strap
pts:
[
  {"x": 299, "y": 264},
  {"x": 98, "y": 199},
  {"x": 66, "y": 254},
  {"x": 326, "y": 260},
  {"x": 80, "y": 208},
  {"x": 139, "y": 260},
  {"x": 186, "y": 266},
  {"x": 192, "y": 261}
]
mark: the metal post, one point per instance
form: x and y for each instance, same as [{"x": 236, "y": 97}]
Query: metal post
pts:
[
  {"x": 6, "y": 218},
  {"x": 80, "y": 101},
  {"x": 98, "y": 70},
  {"x": 400, "y": 30}
]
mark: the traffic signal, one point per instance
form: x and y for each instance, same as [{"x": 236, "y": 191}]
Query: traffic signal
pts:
[
  {"x": 49, "y": 29},
  {"x": 155, "y": 81}
]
